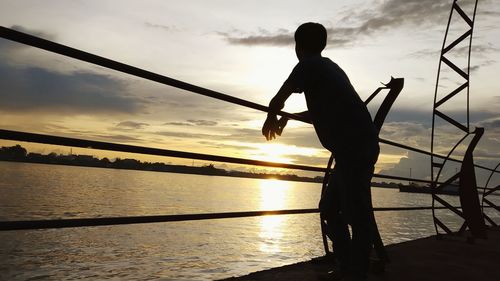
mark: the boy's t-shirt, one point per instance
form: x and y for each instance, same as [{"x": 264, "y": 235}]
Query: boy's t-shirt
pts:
[{"x": 339, "y": 116}]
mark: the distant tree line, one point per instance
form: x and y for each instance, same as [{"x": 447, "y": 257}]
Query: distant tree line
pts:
[{"x": 18, "y": 153}]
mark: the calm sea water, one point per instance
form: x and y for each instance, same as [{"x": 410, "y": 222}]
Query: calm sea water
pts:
[{"x": 199, "y": 250}]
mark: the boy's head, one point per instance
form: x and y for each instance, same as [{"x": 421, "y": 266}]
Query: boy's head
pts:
[{"x": 310, "y": 39}]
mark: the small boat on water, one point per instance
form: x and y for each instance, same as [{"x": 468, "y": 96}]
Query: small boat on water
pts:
[{"x": 451, "y": 189}]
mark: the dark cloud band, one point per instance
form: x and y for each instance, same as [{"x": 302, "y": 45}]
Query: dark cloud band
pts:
[
  {"x": 32, "y": 89},
  {"x": 384, "y": 15}
]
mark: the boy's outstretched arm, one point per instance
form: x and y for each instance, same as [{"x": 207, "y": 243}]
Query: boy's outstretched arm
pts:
[
  {"x": 272, "y": 126},
  {"x": 305, "y": 115}
]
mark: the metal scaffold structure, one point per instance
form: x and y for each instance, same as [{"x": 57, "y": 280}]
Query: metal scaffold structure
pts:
[{"x": 447, "y": 98}]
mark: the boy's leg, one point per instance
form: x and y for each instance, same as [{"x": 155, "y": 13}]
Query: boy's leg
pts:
[
  {"x": 357, "y": 171},
  {"x": 341, "y": 239},
  {"x": 357, "y": 208},
  {"x": 338, "y": 230},
  {"x": 361, "y": 243}
]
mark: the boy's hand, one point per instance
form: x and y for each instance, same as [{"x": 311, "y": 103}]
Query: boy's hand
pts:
[
  {"x": 281, "y": 125},
  {"x": 270, "y": 127},
  {"x": 273, "y": 126}
]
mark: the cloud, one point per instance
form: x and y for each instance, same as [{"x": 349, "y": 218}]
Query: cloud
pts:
[
  {"x": 282, "y": 37},
  {"x": 409, "y": 130},
  {"x": 299, "y": 155},
  {"x": 381, "y": 16},
  {"x": 489, "y": 12},
  {"x": 220, "y": 135},
  {"x": 496, "y": 99},
  {"x": 492, "y": 123},
  {"x": 425, "y": 53},
  {"x": 482, "y": 51},
  {"x": 10, "y": 50},
  {"x": 481, "y": 65},
  {"x": 33, "y": 89},
  {"x": 178, "y": 124},
  {"x": 202, "y": 122},
  {"x": 409, "y": 115},
  {"x": 487, "y": 153},
  {"x": 423, "y": 117},
  {"x": 193, "y": 122},
  {"x": 188, "y": 135},
  {"x": 310, "y": 160},
  {"x": 132, "y": 125},
  {"x": 167, "y": 28},
  {"x": 25, "y": 88},
  {"x": 34, "y": 32},
  {"x": 392, "y": 13},
  {"x": 241, "y": 139},
  {"x": 418, "y": 163},
  {"x": 116, "y": 138},
  {"x": 409, "y": 133}
]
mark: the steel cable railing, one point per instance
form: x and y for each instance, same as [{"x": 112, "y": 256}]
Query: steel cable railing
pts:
[
  {"x": 53, "y": 47},
  {"x": 85, "y": 222},
  {"x": 74, "y": 142},
  {"x": 124, "y": 68}
]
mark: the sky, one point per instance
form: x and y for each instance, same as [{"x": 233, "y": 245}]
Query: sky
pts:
[{"x": 244, "y": 50}]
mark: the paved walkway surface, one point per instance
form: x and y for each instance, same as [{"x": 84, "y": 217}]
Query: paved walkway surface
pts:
[{"x": 429, "y": 259}]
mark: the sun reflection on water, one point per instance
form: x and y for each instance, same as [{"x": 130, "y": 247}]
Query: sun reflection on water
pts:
[{"x": 272, "y": 197}]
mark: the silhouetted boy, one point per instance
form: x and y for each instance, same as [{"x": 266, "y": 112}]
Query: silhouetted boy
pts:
[{"x": 344, "y": 127}]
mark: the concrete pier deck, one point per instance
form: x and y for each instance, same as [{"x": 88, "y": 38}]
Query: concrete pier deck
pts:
[{"x": 451, "y": 258}]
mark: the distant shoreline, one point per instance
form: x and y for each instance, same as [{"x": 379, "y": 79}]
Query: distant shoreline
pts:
[
  {"x": 250, "y": 175},
  {"x": 19, "y": 154},
  {"x": 192, "y": 171}
]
